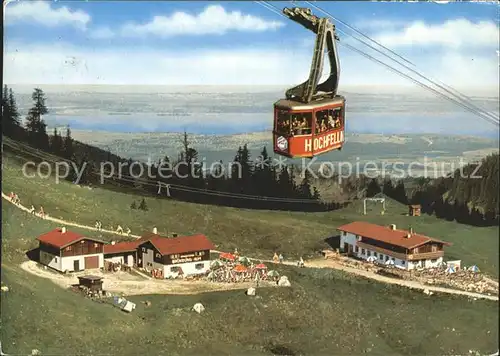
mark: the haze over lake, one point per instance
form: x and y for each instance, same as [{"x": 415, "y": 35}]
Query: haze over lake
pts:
[{"x": 234, "y": 110}]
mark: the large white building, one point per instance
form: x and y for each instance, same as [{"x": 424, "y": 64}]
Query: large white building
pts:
[
  {"x": 406, "y": 249},
  {"x": 68, "y": 251},
  {"x": 185, "y": 255}
]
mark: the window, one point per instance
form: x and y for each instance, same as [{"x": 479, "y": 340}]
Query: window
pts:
[
  {"x": 362, "y": 251},
  {"x": 392, "y": 258},
  {"x": 368, "y": 253},
  {"x": 375, "y": 254},
  {"x": 356, "y": 249},
  {"x": 149, "y": 264},
  {"x": 199, "y": 266},
  {"x": 175, "y": 269},
  {"x": 283, "y": 124},
  {"x": 96, "y": 245},
  {"x": 329, "y": 119},
  {"x": 386, "y": 258},
  {"x": 158, "y": 255},
  {"x": 68, "y": 248},
  {"x": 144, "y": 249},
  {"x": 301, "y": 123},
  {"x": 403, "y": 263},
  {"x": 55, "y": 259}
]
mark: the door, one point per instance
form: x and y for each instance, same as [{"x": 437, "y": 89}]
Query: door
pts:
[
  {"x": 92, "y": 262},
  {"x": 76, "y": 265}
]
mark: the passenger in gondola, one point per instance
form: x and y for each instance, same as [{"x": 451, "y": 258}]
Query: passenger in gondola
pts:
[
  {"x": 331, "y": 122},
  {"x": 295, "y": 126},
  {"x": 323, "y": 126}
]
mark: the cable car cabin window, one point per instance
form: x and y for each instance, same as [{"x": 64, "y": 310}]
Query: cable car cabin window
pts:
[
  {"x": 283, "y": 125},
  {"x": 328, "y": 119},
  {"x": 301, "y": 123}
]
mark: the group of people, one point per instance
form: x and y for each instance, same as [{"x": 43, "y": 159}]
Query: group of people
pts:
[
  {"x": 14, "y": 198},
  {"x": 41, "y": 212},
  {"x": 301, "y": 124},
  {"x": 279, "y": 259},
  {"x": 327, "y": 120},
  {"x": 119, "y": 229}
]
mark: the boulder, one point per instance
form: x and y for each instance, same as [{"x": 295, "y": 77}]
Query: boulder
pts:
[
  {"x": 284, "y": 282},
  {"x": 199, "y": 308}
]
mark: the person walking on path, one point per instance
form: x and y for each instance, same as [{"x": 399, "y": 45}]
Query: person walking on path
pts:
[
  {"x": 281, "y": 258},
  {"x": 275, "y": 258}
]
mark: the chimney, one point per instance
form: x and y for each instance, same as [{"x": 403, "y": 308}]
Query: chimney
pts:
[
  {"x": 411, "y": 231},
  {"x": 63, "y": 230},
  {"x": 155, "y": 231},
  {"x": 393, "y": 227},
  {"x": 112, "y": 242}
]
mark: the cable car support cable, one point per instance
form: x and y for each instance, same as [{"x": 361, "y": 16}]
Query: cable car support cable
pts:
[
  {"x": 443, "y": 86},
  {"x": 488, "y": 117}
]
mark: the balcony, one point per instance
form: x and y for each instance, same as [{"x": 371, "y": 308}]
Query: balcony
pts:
[
  {"x": 425, "y": 255},
  {"x": 402, "y": 256}
]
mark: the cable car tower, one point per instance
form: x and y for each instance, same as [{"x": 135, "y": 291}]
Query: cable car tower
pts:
[{"x": 310, "y": 120}]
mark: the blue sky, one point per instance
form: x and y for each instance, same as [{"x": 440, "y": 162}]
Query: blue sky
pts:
[{"x": 229, "y": 43}]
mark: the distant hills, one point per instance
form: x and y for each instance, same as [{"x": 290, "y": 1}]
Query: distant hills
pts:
[{"x": 446, "y": 151}]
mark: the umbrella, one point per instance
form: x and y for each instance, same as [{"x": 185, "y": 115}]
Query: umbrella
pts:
[
  {"x": 389, "y": 262},
  {"x": 227, "y": 256},
  {"x": 244, "y": 260},
  {"x": 240, "y": 268},
  {"x": 216, "y": 264},
  {"x": 273, "y": 273},
  {"x": 371, "y": 259},
  {"x": 474, "y": 269},
  {"x": 261, "y": 266},
  {"x": 451, "y": 269}
]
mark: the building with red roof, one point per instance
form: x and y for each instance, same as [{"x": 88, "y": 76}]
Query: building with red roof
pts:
[
  {"x": 68, "y": 251},
  {"x": 386, "y": 244},
  {"x": 185, "y": 255}
]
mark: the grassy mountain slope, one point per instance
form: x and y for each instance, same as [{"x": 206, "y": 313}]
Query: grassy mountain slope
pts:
[{"x": 324, "y": 312}]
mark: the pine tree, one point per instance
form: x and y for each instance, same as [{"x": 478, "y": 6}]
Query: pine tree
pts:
[
  {"x": 143, "y": 205},
  {"x": 133, "y": 205},
  {"x": 305, "y": 186},
  {"x": 316, "y": 195},
  {"x": 56, "y": 145},
  {"x": 68, "y": 144},
  {"x": 35, "y": 125},
  {"x": 10, "y": 116},
  {"x": 373, "y": 188}
]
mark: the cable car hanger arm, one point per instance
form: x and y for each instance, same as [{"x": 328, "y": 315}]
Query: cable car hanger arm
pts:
[{"x": 325, "y": 36}]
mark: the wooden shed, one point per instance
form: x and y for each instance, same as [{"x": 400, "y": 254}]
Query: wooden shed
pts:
[
  {"x": 414, "y": 210},
  {"x": 93, "y": 283}
]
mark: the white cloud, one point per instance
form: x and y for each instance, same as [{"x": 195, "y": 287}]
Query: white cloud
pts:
[
  {"x": 44, "y": 14},
  {"x": 456, "y": 33},
  {"x": 65, "y": 64},
  {"x": 214, "y": 19}
]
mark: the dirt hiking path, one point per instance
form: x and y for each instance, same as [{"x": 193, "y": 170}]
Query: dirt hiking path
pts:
[
  {"x": 128, "y": 284},
  {"x": 191, "y": 286}
]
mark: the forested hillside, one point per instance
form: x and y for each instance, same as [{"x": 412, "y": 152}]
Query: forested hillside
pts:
[{"x": 469, "y": 195}]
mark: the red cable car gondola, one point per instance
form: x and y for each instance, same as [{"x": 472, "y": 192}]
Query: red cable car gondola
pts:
[{"x": 311, "y": 120}]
